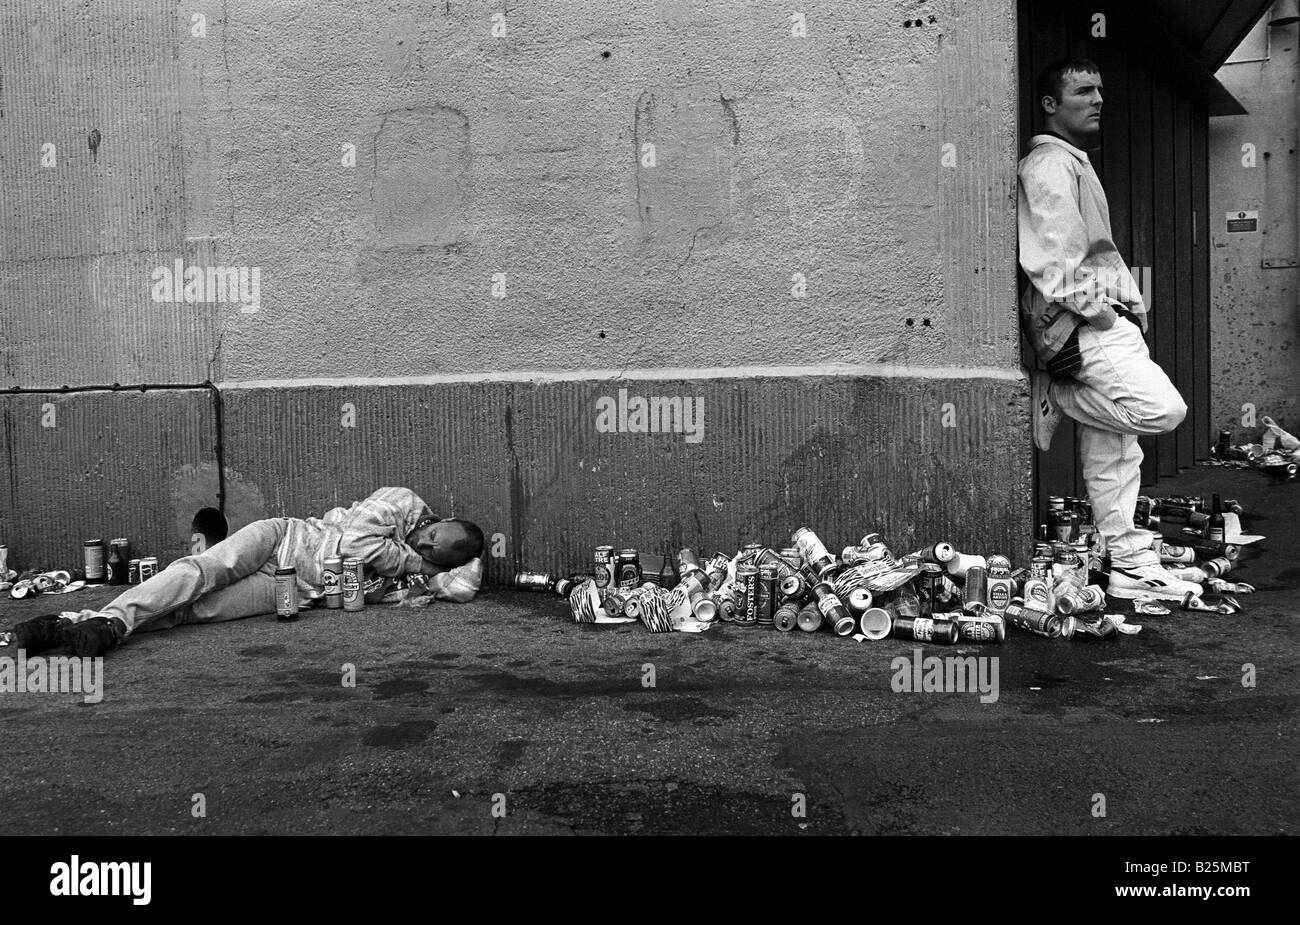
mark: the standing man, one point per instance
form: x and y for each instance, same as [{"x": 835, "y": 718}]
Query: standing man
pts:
[
  {"x": 393, "y": 532},
  {"x": 1084, "y": 316}
]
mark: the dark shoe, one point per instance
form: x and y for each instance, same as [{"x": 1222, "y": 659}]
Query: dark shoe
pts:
[
  {"x": 39, "y": 633},
  {"x": 93, "y": 637}
]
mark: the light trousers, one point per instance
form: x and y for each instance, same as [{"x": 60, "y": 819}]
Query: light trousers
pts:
[
  {"x": 1117, "y": 395},
  {"x": 232, "y": 580}
]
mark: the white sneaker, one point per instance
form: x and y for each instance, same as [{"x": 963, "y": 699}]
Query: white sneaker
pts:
[
  {"x": 1046, "y": 415},
  {"x": 1153, "y": 580}
]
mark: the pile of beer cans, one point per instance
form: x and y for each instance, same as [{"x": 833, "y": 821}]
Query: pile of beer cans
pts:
[{"x": 936, "y": 594}]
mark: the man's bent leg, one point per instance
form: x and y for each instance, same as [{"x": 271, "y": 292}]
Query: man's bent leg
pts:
[
  {"x": 1112, "y": 472},
  {"x": 1118, "y": 387},
  {"x": 247, "y": 597},
  {"x": 191, "y": 577}
]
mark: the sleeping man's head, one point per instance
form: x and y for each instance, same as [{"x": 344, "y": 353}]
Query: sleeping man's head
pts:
[{"x": 446, "y": 543}]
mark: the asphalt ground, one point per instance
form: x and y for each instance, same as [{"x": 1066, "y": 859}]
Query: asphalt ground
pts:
[{"x": 504, "y": 717}]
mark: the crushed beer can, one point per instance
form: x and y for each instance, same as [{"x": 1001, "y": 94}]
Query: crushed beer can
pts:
[
  {"x": 1219, "y": 586},
  {"x": 1080, "y": 600},
  {"x": 1108, "y": 626}
]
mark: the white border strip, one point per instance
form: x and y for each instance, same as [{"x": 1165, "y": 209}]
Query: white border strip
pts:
[{"x": 866, "y": 370}]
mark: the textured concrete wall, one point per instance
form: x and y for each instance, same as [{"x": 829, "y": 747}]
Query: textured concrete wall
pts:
[
  {"x": 1255, "y": 305},
  {"x": 103, "y": 464},
  {"x": 472, "y": 220},
  {"x": 758, "y": 457}
]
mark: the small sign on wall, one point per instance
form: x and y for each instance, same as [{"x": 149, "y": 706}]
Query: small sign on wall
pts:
[{"x": 1243, "y": 221}]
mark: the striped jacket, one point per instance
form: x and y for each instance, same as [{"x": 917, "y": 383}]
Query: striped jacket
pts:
[{"x": 373, "y": 530}]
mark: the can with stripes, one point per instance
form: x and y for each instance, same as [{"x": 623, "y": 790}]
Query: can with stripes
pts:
[
  {"x": 133, "y": 572},
  {"x": 286, "y": 595},
  {"x": 353, "y": 582},
  {"x": 332, "y": 578}
]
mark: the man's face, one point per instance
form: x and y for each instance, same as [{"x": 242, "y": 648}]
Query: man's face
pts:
[
  {"x": 1077, "y": 114},
  {"x": 434, "y": 542}
]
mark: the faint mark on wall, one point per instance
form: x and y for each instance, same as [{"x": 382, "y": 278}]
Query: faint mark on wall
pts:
[{"x": 420, "y": 187}]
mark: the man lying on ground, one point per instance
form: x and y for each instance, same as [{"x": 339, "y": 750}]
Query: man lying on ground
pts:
[{"x": 393, "y": 532}]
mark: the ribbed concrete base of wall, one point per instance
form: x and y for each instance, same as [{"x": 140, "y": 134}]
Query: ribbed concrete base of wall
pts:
[{"x": 549, "y": 469}]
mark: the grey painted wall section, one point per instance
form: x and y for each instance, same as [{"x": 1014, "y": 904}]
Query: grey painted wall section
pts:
[
  {"x": 874, "y": 159},
  {"x": 1255, "y": 310}
]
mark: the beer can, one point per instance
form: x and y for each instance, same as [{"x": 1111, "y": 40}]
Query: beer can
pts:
[
  {"x": 924, "y": 629},
  {"x": 988, "y": 628},
  {"x": 813, "y": 550},
  {"x": 133, "y": 572},
  {"x": 1217, "y": 568},
  {"x": 604, "y": 567},
  {"x": 704, "y": 608},
  {"x": 791, "y": 557},
  {"x": 629, "y": 570},
  {"x": 1081, "y": 600},
  {"x": 810, "y": 617},
  {"x": 332, "y": 579},
  {"x": 4, "y": 562},
  {"x": 286, "y": 595},
  {"x": 749, "y": 552},
  {"x": 93, "y": 555},
  {"x": 1177, "y": 555},
  {"x": 770, "y": 557},
  {"x": 858, "y": 599},
  {"x": 352, "y": 582},
  {"x": 1040, "y": 568},
  {"x": 1042, "y": 550},
  {"x": 533, "y": 581},
  {"x": 726, "y": 604},
  {"x": 976, "y": 588},
  {"x": 148, "y": 568},
  {"x": 613, "y": 602},
  {"x": 765, "y": 605},
  {"x": 876, "y": 623},
  {"x": 633, "y": 604},
  {"x": 1036, "y": 593},
  {"x": 1033, "y": 620},
  {"x": 786, "y": 617},
  {"x": 746, "y": 592},
  {"x": 793, "y": 587},
  {"x": 833, "y": 610},
  {"x": 929, "y": 587}
]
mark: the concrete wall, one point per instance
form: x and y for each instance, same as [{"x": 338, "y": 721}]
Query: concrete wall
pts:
[
  {"x": 822, "y": 250},
  {"x": 1255, "y": 305}
]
